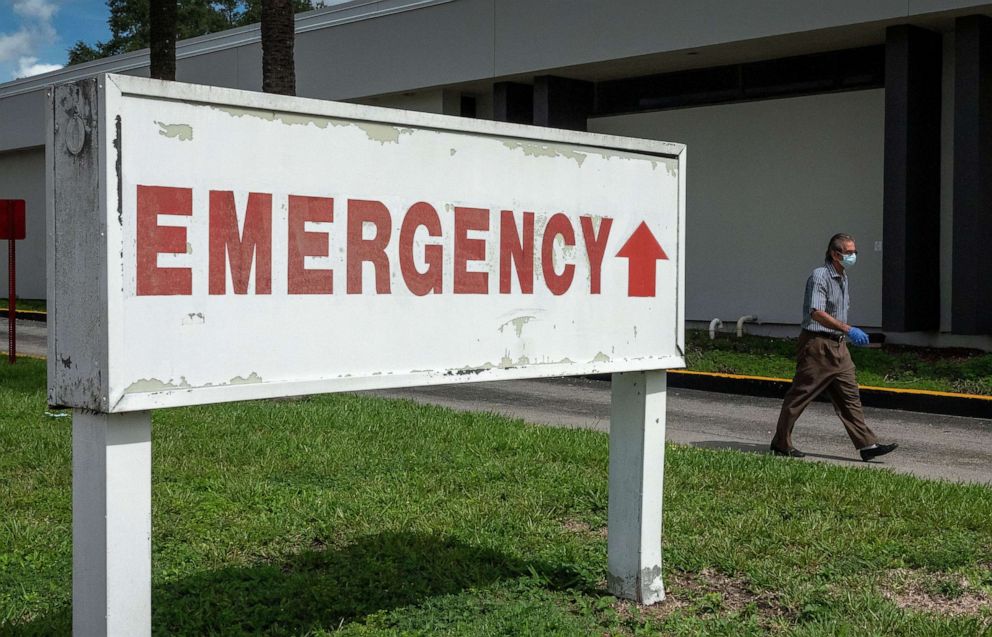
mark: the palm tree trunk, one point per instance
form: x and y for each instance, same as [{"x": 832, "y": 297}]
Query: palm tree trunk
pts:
[
  {"x": 278, "y": 38},
  {"x": 162, "y": 38}
]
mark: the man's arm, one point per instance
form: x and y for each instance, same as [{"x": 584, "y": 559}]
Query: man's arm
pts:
[{"x": 826, "y": 320}]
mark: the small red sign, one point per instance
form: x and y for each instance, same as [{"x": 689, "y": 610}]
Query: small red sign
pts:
[{"x": 12, "y": 219}]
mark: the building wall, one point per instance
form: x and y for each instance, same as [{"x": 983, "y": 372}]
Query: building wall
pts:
[
  {"x": 444, "y": 43},
  {"x": 22, "y": 176},
  {"x": 414, "y": 54},
  {"x": 768, "y": 183},
  {"x": 432, "y": 101},
  {"x": 22, "y": 121}
]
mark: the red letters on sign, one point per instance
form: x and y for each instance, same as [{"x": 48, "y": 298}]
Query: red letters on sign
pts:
[
  {"x": 308, "y": 244},
  {"x": 154, "y": 240},
  {"x": 470, "y": 250},
  {"x": 514, "y": 250},
  {"x": 255, "y": 243},
  {"x": 372, "y": 250},
  {"x": 420, "y": 283},
  {"x": 558, "y": 224},
  {"x": 425, "y": 245},
  {"x": 595, "y": 248}
]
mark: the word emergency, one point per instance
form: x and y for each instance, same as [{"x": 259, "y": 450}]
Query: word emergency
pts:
[{"x": 247, "y": 246}]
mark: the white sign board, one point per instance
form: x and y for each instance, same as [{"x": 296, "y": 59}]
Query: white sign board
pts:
[{"x": 211, "y": 245}]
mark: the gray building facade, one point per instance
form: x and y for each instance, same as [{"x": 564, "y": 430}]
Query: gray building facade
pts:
[{"x": 802, "y": 118}]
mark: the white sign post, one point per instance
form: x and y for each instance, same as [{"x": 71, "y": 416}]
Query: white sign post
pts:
[
  {"x": 209, "y": 245},
  {"x": 637, "y": 469},
  {"x": 111, "y": 523}
]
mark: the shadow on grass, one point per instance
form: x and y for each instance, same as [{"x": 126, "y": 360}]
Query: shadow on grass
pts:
[
  {"x": 853, "y": 459},
  {"x": 323, "y": 588},
  {"x": 750, "y": 447},
  {"x": 725, "y": 445}
]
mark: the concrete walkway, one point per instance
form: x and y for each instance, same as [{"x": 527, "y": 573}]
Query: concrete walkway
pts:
[{"x": 32, "y": 338}]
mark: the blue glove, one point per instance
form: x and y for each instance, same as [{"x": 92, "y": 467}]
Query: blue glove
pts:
[{"x": 857, "y": 337}]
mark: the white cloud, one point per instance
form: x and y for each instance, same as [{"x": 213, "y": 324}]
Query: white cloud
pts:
[
  {"x": 34, "y": 31},
  {"x": 14, "y": 45},
  {"x": 41, "y": 10},
  {"x": 28, "y": 66}
]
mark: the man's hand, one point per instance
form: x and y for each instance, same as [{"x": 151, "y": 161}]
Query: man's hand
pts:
[{"x": 857, "y": 337}]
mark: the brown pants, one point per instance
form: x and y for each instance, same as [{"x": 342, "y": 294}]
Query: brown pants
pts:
[{"x": 823, "y": 364}]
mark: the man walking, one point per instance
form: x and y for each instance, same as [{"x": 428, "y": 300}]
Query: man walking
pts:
[{"x": 823, "y": 362}]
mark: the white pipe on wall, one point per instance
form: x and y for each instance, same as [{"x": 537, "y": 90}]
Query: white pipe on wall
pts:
[
  {"x": 715, "y": 324},
  {"x": 741, "y": 321}
]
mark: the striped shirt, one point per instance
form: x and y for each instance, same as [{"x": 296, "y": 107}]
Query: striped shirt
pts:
[{"x": 826, "y": 290}]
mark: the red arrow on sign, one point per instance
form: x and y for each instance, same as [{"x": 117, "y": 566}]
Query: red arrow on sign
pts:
[{"x": 642, "y": 251}]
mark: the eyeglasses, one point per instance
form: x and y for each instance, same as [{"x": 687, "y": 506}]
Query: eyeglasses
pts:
[{"x": 847, "y": 253}]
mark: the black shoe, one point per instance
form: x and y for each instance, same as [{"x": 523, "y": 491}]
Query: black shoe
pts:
[
  {"x": 880, "y": 450},
  {"x": 791, "y": 452}
]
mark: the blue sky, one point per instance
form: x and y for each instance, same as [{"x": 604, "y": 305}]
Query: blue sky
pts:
[{"x": 35, "y": 34}]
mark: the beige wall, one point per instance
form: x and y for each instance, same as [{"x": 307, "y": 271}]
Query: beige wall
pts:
[{"x": 768, "y": 183}]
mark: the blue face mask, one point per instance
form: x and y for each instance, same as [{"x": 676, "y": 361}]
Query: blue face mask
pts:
[{"x": 849, "y": 259}]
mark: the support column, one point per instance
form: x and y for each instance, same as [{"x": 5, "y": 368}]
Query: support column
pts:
[
  {"x": 560, "y": 102},
  {"x": 111, "y": 523},
  {"x": 911, "y": 217},
  {"x": 513, "y": 102},
  {"x": 637, "y": 469},
  {"x": 971, "y": 293}
]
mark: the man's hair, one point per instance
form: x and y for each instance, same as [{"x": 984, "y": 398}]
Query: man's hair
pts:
[{"x": 837, "y": 243}]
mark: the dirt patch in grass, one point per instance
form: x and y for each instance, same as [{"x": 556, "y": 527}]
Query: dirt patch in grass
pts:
[
  {"x": 937, "y": 593},
  {"x": 719, "y": 592},
  {"x": 627, "y": 610},
  {"x": 707, "y": 592},
  {"x": 582, "y": 528}
]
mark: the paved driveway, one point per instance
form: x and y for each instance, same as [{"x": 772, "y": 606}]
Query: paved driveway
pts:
[{"x": 31, "y": 337}]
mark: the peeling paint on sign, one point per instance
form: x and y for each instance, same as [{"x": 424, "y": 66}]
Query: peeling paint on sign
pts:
[
  {"x": 283, "y": 118},
  {"x": 182, "y": 132},
  {"x": 383, "y": 133},
  {"x": 470, "y": 369},
  {"x": 536, "y": 149},
  {"x": 148, "y": 385},
  {"x": 250, "y": 379},
  {"x": 518, "y": 324},
  {"x": 671, "y": 167},
  {"x": 507, "y": 362}
]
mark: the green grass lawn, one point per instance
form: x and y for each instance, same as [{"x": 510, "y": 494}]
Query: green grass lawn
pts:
[
  {"x": 350, "y": 515},
  {"x": 949, "y": 370}
]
